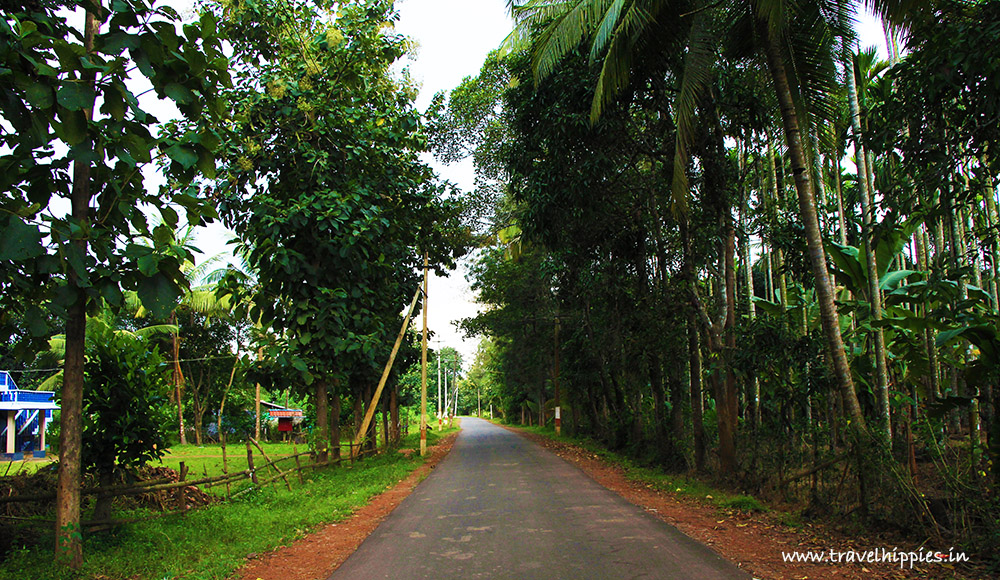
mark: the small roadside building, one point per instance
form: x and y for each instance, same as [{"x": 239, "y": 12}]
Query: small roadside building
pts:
[
  {"x": 24, "y": 415},
  {"x": 286, "y": 418}
]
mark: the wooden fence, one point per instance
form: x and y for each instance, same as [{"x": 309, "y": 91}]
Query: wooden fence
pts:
[{"x": 268, "y": 473}]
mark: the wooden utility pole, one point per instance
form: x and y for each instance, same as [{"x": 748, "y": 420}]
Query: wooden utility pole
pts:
[
  {"x": 440, "y": 409},
  {"x": 423, "y": 371},
  {"x": 256, "y": 430},
  {"x": 385, "y": 376}
]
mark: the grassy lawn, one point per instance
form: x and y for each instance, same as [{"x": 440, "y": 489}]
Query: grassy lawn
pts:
[
  {"x": 26, "y": 467},
  {"x": 211, "y": 543},
  {"x": 206, "y": 460}
]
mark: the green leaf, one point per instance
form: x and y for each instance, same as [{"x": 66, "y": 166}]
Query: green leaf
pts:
[
  {"x": 206, "y": 162},
  {"x": 179, "y": 93},
  {"x": 138, "y": 148},
  {"x": 941, "y": 407},
  {"x": 39, "y": 95},
  {"x": 159, "y": 295},
  {"x": 35, "y": 318},
  {"x": 892, "y": 280},
  {"x": 114, "y": 104},
  {"x": 20, "y": 241},
  {"x": 183, "y": 155},
  {"x": 148, "y": 264},
  {"x": 948, "y": 335},
  {"x": 169, "y": 216},
  {"x": 73, "y": 127},
  {"x": 76, "y": 96}
]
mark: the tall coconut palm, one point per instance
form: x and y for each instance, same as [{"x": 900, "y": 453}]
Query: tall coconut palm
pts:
[
  {"x": 799, "y": 42},
  {"x": 201, "y": 299}
]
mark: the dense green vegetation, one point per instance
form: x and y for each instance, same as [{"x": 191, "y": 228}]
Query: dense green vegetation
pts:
[{"x": 727, "y": 241}]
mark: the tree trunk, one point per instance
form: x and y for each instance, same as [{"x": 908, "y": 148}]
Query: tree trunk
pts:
[
  {"x": 104, "y": 503},
  {"x": 385, "y": 420},
  {"x": 664, "y": 446},
  {"x": 335, "y": 422},
  {"x": 694, "y": 366},
  {"x": 69, "y": 541},
  {"x": 838, "y": 188},
  {"x": 729, "y": 405},
  {"x": 256, "y": 399},
  {"x": 874, "y": 294},
  {"x": 814, "y": 240},
  {"x": 322, "y": 420},
  {"x": 677, "y": 396}
]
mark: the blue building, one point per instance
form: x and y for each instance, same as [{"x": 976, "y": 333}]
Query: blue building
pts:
[{"x": 25, "y": 415}]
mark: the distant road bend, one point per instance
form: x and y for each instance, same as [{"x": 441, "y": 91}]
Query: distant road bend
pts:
[{"x": 500, "y": 506}]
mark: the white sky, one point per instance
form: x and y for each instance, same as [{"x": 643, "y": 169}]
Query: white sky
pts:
[{"x": 454, "y": 37}]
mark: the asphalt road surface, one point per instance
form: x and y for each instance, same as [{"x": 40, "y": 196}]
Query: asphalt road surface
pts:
[{"x": 500, "y": 506}]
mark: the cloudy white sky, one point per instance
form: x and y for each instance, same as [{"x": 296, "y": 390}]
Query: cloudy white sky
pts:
[{"x": 454, "y": 37}]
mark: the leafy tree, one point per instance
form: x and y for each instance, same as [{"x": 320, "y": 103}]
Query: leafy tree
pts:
[
  {"x": 325, "y": 188},
  {"x": 124, "y": 404},
  {"x": 75, "y": 133}
]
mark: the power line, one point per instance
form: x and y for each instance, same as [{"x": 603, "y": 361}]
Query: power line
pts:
[{"x": 166, "y": 361}]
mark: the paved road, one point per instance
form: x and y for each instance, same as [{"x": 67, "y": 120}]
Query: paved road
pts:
[{"x": 500, "y": 506}]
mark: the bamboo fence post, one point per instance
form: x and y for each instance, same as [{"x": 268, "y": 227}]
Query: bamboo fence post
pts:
[
  {"x": 225, "y": 466},
  {"x": 271, "y": 464},
  {"x": 181, "y": 500},
  {"x": 298, "y": 464},
  {"x": 253, "y": 472}
]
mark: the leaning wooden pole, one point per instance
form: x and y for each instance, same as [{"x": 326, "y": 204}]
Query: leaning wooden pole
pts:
[
  {"x": 385, "y": 376},
  {"x": 423, "y": 371}
]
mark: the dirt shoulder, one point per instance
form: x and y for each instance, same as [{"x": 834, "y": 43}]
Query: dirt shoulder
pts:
[
  {"x": 753, "y": 541},
  {"x": 318, "y": 554}
]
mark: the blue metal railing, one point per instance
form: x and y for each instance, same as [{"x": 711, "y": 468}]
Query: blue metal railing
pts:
[{"x": 19, "y": 396}]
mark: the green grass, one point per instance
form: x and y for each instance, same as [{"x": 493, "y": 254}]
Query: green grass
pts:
[
  {"x": 211, "y": 543},
  {"x": 206, "y": 460},
  {"x": 27, "y": 467}
]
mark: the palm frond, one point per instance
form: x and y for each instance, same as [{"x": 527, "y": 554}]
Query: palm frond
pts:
[
  {"x": 198, "y": 272},
  {"x": 617, "y": 64},
  {"x": 900, "y": 14},
  {"x": 604, "y": 31},
  {"x": 57, "y": 348},
  {"x": 529, "y": 18},
  {"x": 204, "y": 300},
  {"x": 775, "y": 14},
  {"x": 820, "y": 31},
  {"x": 697, "y": 76},
  {"x": 53, "y": 383},
  {"x": 153, "y": 330},
  {"x": 133, "y": 305},
  {"x": 564, "y": 34}
]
